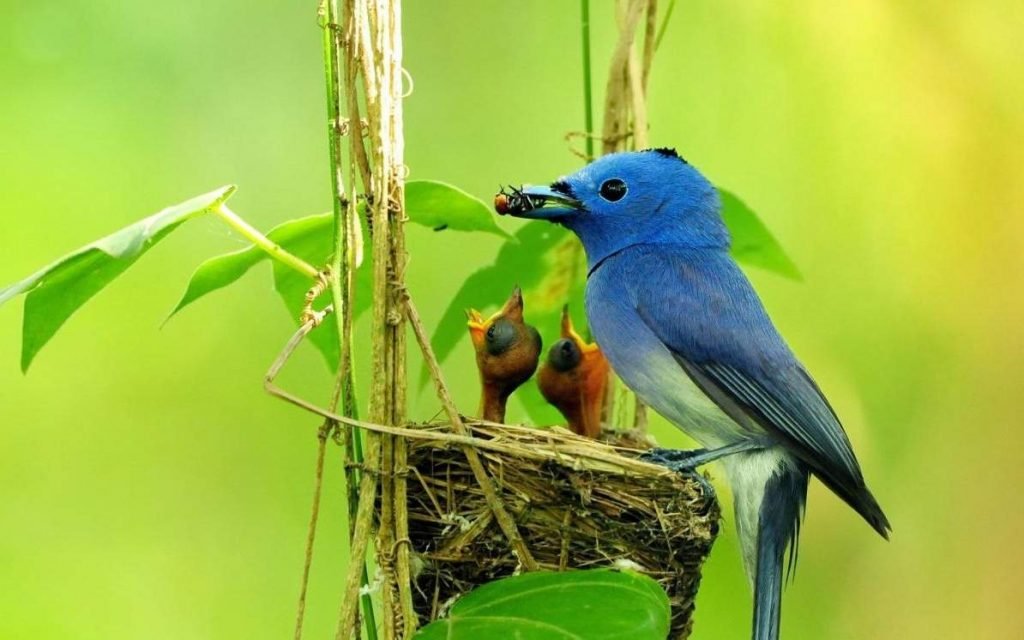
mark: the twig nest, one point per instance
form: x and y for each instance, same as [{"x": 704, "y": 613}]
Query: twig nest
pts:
[{"x": 578, "y": 503}]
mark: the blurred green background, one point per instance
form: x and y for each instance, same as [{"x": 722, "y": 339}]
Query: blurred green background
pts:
[{"x": 149, "y": 489}]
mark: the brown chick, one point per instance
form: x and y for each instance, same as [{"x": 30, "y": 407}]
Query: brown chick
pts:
[
  {"x": 507, "y": 351},
  {"x": 573, "y": 379}
]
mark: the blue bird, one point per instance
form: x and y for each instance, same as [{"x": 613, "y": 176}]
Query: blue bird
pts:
[{"x": 684, "y": 329}]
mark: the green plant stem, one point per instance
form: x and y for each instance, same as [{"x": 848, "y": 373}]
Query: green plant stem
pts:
[
  {"x": 274, "y": 250},
  {"x": 588, "y": 107},
  {"x": 664, "y": 24},
  {"x": 341, "y": 264},
  {"x": 342, "y": 290}
]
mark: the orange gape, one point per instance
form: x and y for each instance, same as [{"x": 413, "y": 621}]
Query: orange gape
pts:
[
  {"x": 573, "y": 379},
  {"x": 507, "y": 351}
]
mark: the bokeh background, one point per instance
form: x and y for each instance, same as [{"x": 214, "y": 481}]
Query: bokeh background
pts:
[{"x": 149, "y": 489}]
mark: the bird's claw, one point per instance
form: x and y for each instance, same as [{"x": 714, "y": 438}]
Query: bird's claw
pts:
[
  {"x": 682, "y": 461},
  {"x": 678, "y": 460},
  {"x": 707, "y": 489}
]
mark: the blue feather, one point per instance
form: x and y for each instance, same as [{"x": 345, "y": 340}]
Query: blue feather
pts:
[{"x": 779, "y": 526}]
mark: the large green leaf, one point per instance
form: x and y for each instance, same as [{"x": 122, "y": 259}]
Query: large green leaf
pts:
[
  {"x": 598, "y": 604},
  {"x": 442, "y": 206},
  {"x": 55, "y": 292},
  {"x": 309, "y": 238},
  {"x": 220, "y": 271},
  {"x": 752, "y": 242}
]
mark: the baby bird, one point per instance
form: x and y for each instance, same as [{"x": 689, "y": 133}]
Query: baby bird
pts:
[
  {"x": 573, "y": 379},
  {"x": 507, "y": 351}
]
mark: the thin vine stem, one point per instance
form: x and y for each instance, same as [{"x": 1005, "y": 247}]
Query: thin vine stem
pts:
[
  {"x": 274, "y": 250},
  {"x": 588, "y": 102},
  {"x": 664, "y": 23},
  {"x": 314, "y": 517},
  {"x": 342, "y": 289}
]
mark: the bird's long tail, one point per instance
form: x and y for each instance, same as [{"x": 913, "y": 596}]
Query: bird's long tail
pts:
[{"x": 778, "y": 526}]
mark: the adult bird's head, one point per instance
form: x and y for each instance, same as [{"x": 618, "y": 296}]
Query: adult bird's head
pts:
[
  {"x": 625, "y": 199},
  {"x": 507, "y": 352},
  {"x": 573, "y": 379}
]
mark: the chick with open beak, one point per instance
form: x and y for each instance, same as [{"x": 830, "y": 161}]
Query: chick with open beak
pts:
[
  {"x": 507, "y": 352},
  {"x": 573, "y": 379}
]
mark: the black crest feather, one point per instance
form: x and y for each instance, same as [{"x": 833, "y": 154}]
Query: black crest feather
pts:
[{"x": 668, "y": 152}]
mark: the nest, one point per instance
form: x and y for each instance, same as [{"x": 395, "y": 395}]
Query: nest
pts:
[{"x": 577, "y": 503}]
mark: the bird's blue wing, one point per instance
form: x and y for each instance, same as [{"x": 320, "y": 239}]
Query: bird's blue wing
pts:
[{"x": 701, "y": 306}]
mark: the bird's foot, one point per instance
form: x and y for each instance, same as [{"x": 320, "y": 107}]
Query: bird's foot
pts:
[
  {"x": 707, "y": 489},
  {"x": 684, "y": 462},
  {"x": 690, "y": 459},
  {"x": 678, "y": 460}
]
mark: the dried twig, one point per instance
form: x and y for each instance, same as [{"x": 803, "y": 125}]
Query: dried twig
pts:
[
  {"x": 507, "y": 524},
  {"x": 385, "y": 347},
  {"x": 396, "y": 203},
  {"x": 650, "y": 26},
  {"x": 322, "y": 436},
  {"x": 638, "y": 96},
  {"x": 615, "y": 113},
  {"x": 360, "y": 539},
  {"x": 351, "y": 47}
]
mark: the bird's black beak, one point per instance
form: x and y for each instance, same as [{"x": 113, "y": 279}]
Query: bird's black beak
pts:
[{"x": 537, "y": 203}]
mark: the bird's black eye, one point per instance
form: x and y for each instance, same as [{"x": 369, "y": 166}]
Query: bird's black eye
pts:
[
  {"x": 500, "y": 336},
  {"x": 613, "y": 190},
  {"x": 564, "y": 355}
]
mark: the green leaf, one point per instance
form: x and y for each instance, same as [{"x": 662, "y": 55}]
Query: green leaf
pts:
[
  {"x": 488, "y": 288},
  {"x": 751, "y": 241},
  {"x": 596, "y": 605},
  {"x": 310, "y": 238},
  {"x": 316, "y": 248},
  {"x": 220, "y": 271},
  {"x": 442, "y": 206},
  {"x": 55, "y": 292}
]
